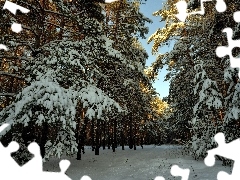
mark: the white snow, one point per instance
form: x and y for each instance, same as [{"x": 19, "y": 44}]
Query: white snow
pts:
[{"x": 142, "y": 164}]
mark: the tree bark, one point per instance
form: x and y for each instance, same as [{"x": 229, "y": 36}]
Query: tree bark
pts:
[
  {"x": 97, "y": 138},
  {"x": 43, "y": 139},
  {"x": 109, "y": 136},
  {"x": 114, "y": 135},
  {"x": 92, "y": 135},
  {"x": 131, "y": 133},
  {"x": 104, "y": 134}
]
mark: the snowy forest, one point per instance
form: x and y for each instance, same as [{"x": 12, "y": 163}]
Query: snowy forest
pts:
[{"x": 76, "y": 77}]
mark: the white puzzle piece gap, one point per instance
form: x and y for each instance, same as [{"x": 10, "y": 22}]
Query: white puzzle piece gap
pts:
[
  {"x": 32, "y": 169},
  {"x": 15, "y": 27},
  {"x": 222, "y": 51},
  {"x": 236, "y": 16},
  {"x": 177, "y": 171},
  {"x": 110, "y": 1},
  {"x": 228, "y": 150},
  {"x": 159, "y": 178},
  {"x": 12, "y": 7},
  {"x": 182, "y": 9},
  {"x": 86, "y": 178}
]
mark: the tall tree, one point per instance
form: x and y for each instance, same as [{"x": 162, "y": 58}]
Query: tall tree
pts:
[
  {"x": 61, "y": 75},
  {"x": 124, "y": 25},
  {"x": 200, "y": 95}
]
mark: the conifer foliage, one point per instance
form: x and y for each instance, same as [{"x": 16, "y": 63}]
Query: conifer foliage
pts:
[
  {"x": 75, "y": 76},
  {"x": 203, "y": 88}
]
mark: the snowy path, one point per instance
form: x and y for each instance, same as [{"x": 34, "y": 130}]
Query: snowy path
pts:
[{"x": 142, "y": 164}]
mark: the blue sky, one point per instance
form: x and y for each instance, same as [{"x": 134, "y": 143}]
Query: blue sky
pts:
[{"x": 147, "y": 9}]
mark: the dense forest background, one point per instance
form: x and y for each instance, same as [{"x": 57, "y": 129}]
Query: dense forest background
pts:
[{"x": 76, "y": 76}]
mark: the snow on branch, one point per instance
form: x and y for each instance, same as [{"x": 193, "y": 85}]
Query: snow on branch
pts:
[{"x": 7, "y": 94}]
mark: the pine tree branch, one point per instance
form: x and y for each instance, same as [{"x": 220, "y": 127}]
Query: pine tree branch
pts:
[
  {"x": 9, "y": 74},
  {"x": 7, "y": 94},
  {"x": 56, "y": 13},
  {"x": 28, "y": 28},
  {"x": 13, "y": 57}
]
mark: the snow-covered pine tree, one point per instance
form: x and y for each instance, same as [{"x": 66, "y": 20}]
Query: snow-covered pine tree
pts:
[
  {"x": 205, "y": 124},
  {"x": 198, "y": 38},
  {"x": 61, "y": 74},
  {"x": 219, "y": 89},
  {"x": 124, "y": 25}
]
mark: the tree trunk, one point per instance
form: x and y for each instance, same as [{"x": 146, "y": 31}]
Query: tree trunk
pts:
[
  {"x": 142, "y": 142},
  {"x": 79, "y": 147},
  {"x": 92, "y": 135},
  {"x": 134, "y": 142},
  {"x": 97, "y": 138},
  {"x": 81, "y": 134},
  {"x": 131, "y": 134},
  {"x": 104, "y": 134},
  {"x": 109, "y": 136},
  {"x": 122, "y": 139},
  {"x": 43, "y": 139},
  {"x": 134, "y": 138},
  {"x": 114, "y": 135}
]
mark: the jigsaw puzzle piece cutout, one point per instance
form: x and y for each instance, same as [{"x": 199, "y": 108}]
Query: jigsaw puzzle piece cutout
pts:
[
  {"x": 9, "y": 165},
  {"x": 222, "y": 51},
  {"x": 110, "y": 1},
  {"x": 35, "y": 164},
  {"x": 223, "y": 176},
  {"x": 182, "y": 9},
  {"x": 157, "y": 178},
  {"x": 88, "y": 178},
  {"x": 228, "y": 150},
  {"x": 234, "y": 176},
  {"x": 221, "y": 6},
  {"x": 12, "y": 7},
  {"x": 202, "y": 11},
  {"x": 5, "y": 125},
  {"x": 53, "y": 175},
  {"x": 40, "y": 175},
  {"x": 5, "y": 153},
  {"x": 64, "y": 165},
  {"x": 177, "y": 171},
  {"x": 236, "y": 16},
  {"x": 17, "y": 28}
]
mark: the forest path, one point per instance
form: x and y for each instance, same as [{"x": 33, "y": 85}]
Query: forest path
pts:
[{"x": 141, "y": 164}]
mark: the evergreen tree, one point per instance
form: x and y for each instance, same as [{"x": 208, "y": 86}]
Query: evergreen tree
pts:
[
  {"x": 61, "y": 75},
  {"x": 124, "y": 25},
  {"x": 199, "y": 94}
]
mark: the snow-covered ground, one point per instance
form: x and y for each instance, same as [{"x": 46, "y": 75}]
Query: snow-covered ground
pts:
[{"x": 141, "y": 164}]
